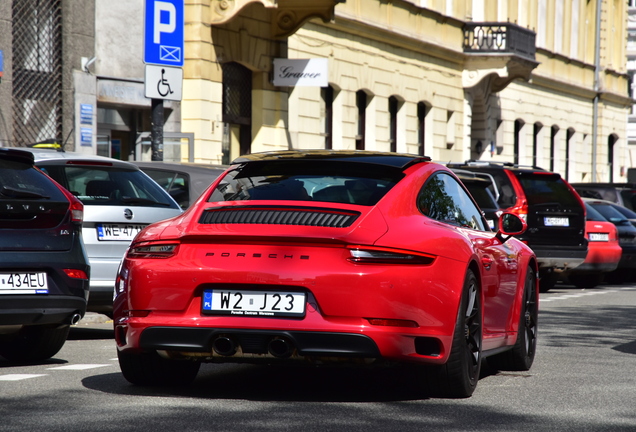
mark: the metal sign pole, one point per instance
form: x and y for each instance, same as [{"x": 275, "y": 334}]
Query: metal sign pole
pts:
[{"x": 156, "y": 130}]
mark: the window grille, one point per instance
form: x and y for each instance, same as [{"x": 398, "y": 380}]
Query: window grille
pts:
[{"x": 37, "y": 71}]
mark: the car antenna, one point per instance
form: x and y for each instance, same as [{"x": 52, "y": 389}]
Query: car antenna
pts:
[{"x": 61, "y": 149}]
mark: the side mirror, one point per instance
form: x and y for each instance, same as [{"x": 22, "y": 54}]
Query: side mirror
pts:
[{"x": 510, "y": 224}]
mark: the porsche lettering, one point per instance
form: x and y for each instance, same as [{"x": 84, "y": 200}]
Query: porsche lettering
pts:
[{"x": 256, "y": 255}]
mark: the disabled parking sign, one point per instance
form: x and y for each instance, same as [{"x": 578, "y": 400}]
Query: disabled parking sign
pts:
[{"x": 164, "y": 32}]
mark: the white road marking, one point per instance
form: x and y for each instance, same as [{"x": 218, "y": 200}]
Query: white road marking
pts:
[
  {"x": 568, "y": 296},
  {"x": 19, "y": 377},
  {"x": 79, "y": 367}
]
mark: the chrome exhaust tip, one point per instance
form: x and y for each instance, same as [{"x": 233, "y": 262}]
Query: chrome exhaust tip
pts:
[
  {"x": 280, "y": 348},
  {"x": 224, "y": 346}
]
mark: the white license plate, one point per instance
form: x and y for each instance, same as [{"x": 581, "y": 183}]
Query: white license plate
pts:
[
  {"x": 23, "y": 283},
  {"x": 254, "y": 303},
  {"x": 599, "y": 237},
  {"x": 556, "y": 221},
  {"x": 110, "y": 232}
]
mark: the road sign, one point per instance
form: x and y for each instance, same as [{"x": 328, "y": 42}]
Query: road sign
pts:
[
  {"x": 163, "y": 33},
  {"x": 163, "y": 82}
]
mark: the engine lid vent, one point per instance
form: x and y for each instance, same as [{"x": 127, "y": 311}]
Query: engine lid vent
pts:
[{"x": 279, "y": 215}]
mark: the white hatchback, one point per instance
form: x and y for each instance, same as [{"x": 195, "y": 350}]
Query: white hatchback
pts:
[{"x": 119, "y": 200}]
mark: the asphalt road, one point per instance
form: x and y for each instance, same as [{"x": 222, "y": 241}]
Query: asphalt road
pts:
[{"x": 582, "y": 380}]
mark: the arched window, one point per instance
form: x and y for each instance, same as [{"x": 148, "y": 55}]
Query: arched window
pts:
[
  {"x": 569, "y": 139},
  {"x": 422, "y": 111},
  {"x": 553, "y": 136},
  {"x": 517, "y": 139},
  {"x": 327, "y": 94},
  {"x": 361, "y": 105},
  {"x": 611, "y": 140},
  {"x": 393, "y": 113}
]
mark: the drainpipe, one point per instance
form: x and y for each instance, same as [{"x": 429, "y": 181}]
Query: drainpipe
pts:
[{"x": 597, "y": 67}]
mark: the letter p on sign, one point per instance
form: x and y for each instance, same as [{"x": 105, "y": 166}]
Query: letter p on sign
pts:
[{"x": 163, "y": 9}]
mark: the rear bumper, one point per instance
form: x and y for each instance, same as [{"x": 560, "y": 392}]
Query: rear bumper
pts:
[
  {"x": 559, "y": 258},
  {"x": 39, "y": 310},
  {"x": 323, "y": 344}
]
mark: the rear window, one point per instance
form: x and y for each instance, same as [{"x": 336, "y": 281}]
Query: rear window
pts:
[
  {"x": 482, "y": 195},
  {"x": 593, "y": 215},
  {"x": 326, "y": 181},
  {"x": 22, "y": 181},
  {"x": 610, "y": 213},
  {"x": 547, "y": 189},
  {"x": 97, "y": 185}
]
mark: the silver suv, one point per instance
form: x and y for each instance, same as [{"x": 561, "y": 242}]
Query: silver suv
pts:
[{"x": 119, "y": 201}]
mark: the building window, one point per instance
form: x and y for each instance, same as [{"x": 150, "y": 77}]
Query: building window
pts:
[
  {"x": 517, "y": 140},
  {"x": 568, "y": 145},
  {"x": 536, "y": 133},
  {"x": 361, "y": 104},
  {"x": 422, "y": 111},
  {"x": 611, "y": 140},
  {"x": 37, "y": 71},
  {"x": 553, "y": 136},
  {"x": 327, "y": 94},
  {"x": 237, "y": 111},
  {"x": 393, "y": 112}
]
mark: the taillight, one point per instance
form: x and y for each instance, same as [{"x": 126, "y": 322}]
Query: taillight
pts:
[
  {"x": 77, "y": 211},
  {"x": 76, "y": 274},
  {"x": 372, "y": 255},
  {"x": 153, "y": 250},
  {"x": 522, "y": 212}
]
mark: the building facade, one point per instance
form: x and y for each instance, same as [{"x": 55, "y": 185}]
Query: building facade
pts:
[{"x": 535, "y": 82}]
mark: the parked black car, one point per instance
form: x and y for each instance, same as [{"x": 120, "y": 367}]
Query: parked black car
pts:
[
  {"x": 44, "y": 270},
  {"x": 185, "y": 182},
  {"x": 620, "y": 193},
  {"x": 554, "y": 212},
  {"x": 481, "y": 188}
]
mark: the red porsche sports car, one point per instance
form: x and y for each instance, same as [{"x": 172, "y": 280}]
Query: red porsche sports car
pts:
[{"x": 329, "y": 256}]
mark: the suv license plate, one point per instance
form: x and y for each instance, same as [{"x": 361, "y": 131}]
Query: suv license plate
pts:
[
  {"x": 23, "y": 283},
  {"x": 254, "y": 303},
  {"x": 556, "y": 221},
  {"x": 599, "y": 237},
  {"x": 113, "y": 232}
]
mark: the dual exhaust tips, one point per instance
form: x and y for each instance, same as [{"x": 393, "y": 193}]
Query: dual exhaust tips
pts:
[{"x": 278, "y": 347}]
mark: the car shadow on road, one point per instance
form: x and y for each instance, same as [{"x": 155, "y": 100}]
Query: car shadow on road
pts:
[{"x": 282, "y": 383}]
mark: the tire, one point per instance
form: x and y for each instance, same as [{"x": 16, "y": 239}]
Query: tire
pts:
[
  {"x": 34, "y": 343},
  {"x": 586, "y": 280},
  {"x": 458, "y": 377},
  {"x": 521, "y": 356},
  {"x": 148, "y": 368}
]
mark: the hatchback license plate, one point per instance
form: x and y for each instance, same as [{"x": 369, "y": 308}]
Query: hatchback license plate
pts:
[
  {"x": 23, "y": 283},
  {"x": 556, "y": 221},
  {"x": 113, "y": 232},
  {"x": 603, "y": 237},
  {"x": 254, "y": 303}
]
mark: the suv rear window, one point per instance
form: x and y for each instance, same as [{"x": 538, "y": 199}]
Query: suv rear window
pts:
[
  {"x": 340, "y": 182},
  {"x": 96, "y": 185},
  {"x": 546, "y": 188},
  {"x": 21, "y": 180}
]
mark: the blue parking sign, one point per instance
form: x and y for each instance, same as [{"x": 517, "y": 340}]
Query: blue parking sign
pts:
[{"x": 163, "y": 33}]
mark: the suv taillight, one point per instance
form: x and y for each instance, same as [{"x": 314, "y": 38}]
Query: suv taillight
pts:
[
  {"x": 77, "y": 211},
  {"x": 522, "y": 211}
]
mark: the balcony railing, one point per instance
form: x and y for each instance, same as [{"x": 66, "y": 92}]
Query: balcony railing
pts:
[{"x": 502, "y": 38}]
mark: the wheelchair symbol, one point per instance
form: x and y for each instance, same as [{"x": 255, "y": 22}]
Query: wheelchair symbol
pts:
[{"x": 163, "y": 87}]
